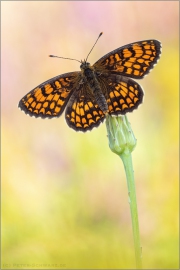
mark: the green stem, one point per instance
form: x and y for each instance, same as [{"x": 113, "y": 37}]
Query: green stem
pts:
[{"x": 127, "y": 161}]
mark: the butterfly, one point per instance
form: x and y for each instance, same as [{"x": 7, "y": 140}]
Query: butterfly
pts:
[{"x": 107, "y": 87}]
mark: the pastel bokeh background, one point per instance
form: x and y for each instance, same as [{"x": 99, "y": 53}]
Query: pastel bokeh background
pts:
[{"x": 64, "y": 194}]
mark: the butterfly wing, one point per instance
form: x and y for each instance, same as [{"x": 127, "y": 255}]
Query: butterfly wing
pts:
[
  {"x": 134, "y": 60},
  {"x": 122, "y": 94},
  {"x": 50, "y": 98},
  {"x": 82, "y": 111}
]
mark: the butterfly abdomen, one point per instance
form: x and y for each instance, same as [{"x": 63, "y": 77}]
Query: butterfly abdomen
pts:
[{"x": 96, "y": 89}]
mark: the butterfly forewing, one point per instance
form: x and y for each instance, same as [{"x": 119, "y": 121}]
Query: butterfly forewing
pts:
[
  {"x": 50, "y": 98},
  {"x": 134, "y": 60}
]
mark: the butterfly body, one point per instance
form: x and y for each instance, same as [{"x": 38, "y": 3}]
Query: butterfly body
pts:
[
  {"x": 90, "y": 78},
  {"x": 89, "y": 94}
]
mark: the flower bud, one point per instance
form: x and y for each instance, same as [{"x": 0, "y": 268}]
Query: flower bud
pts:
[{"x": 120, "y": 135}]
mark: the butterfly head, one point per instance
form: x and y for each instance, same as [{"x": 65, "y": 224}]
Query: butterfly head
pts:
[{"x": 84, "y": 65}]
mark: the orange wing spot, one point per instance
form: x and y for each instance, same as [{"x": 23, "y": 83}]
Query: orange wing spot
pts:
[
  {"x": 117, "y": 109},
  {"x": 45, "y": 105},
  {"x": 38, "y": 97},
  {"x": 37, "y": 91},
  {"x": 57, "y": 84},
  {"x": 136, "y": 72},
  {"x": 77, "y": 110},
  {"x": 74, "y": 106},
  {"x": 56, "y": 97},
  {"x": 81, "y": 104},
  {"x": 73, "y": 114},
  {"x": 42, "y": 111},
  {"x": 116, "y": 93},
  {"x": 84, "y": 120},
  {"x": 90, "y": 104},
  {"x": 125, "y": 90},
  {"x": 50, "y": 97},
  {"x": 146, "y": 56},
  {"x": 48, "y": 89},
  {"x": 60, "y": 102},
  {"x": 129, "y": 100},
  {"x": 78, "y": 125},
  {"x": 147, "y": 47},
  {"x": 117, "y": 57},
  {"x": 57, "y": 109},
  {"x": 131, "y": 105},
  {"x": 128, "y": 64},
  {"x": 132, "y": 59},
  {"x": 30, "y": 100},
  {"x": 152, "y": 58},
  {"x": 89, "y": 116},
  {"x": 38, "y": 106},
  {"x": 124, "y": 106},
  {"x": 144, "y": 68},
  {"x": 131, "y": 88},
  {"x": 136, "y": 92},
  {"x": 72, "y": 120},
  {"x": 111, "y": 58},
  {"x": 136, "y": 47},
  {"x": 86, "y": 107},
  {"x": 111, "y": 94},
  {"x": 140, "y": 60},
  {"x": 33, "y": 104},
  {"x": 36, "y": 111},
  {"x": 135, "y": 99},
  {"x": 26, "y": 104},
  {"x": 110, "y": 108},
  {"x": 82, "y": 112},
  {"x": 124, "y": 84},
  {"x": 78, "y": 119},
  {"x": 137, "y": 66},
  {"x": 91, "y": 121},
  {"x": 95, "y": 113},
  {"x": 86, "y": 125},
  {"x": 139, "y": 53},
  {"x": 127, "y": 54},
  {"x": 115, "y": 104},
  {"x": 131, "y": 95},
  {"x": 149, "y": 52},
  {"x": 120, "y": 68},
  {"x": 97, "y": 118},
  {"x": 129, "y": 71},
  {"x": 64, "y": 94},
  {"x": 52, "y": 105},
  {"x": 147, "y": 62},
  {"x": 49, "y": 113},
  {"x": 121, "y": 101}
]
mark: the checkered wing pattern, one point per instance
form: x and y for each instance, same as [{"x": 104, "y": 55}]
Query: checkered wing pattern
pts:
[
  {"x": 50, "y": 98},
  {"x": 82, "y": 112},
  {"x": 134, "y": 60}
]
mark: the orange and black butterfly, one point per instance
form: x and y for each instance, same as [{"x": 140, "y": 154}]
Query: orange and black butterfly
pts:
[{"x": 103, "y": 88}]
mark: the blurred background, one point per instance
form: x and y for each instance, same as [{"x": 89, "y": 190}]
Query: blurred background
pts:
[{"x": 64, "y": 193}]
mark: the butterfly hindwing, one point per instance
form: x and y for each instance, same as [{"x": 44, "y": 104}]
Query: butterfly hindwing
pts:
[{"x": 82, "y": 112}]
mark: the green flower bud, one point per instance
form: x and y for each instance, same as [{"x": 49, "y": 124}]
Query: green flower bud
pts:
[{"x": 120, "y": 135}]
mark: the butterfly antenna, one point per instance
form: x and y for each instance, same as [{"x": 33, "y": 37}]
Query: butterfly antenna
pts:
[
  {"x": 63, "y": 57},
  {"x": 94, "y": 45}
]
